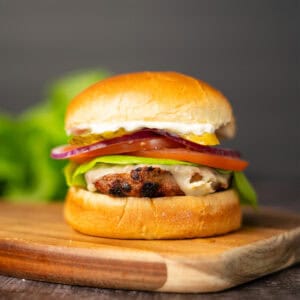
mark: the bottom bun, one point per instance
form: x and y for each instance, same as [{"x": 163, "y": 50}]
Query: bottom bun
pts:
[{"x": 157, "y": 218}]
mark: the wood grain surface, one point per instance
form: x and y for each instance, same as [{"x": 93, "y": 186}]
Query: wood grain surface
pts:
[{"x": 35, "y": 243}]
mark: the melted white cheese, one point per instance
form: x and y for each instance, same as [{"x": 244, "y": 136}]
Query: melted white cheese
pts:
[
  {"x": 182, "y": 174},
  {"x": 180, "y": 128}
]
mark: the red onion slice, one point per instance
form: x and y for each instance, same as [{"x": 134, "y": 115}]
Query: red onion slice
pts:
[
  {"x": 194, "y": 146},
  {"x": 63, "y": 152}
]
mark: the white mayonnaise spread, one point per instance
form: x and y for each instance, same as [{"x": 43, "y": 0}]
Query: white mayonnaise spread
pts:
[
  {"x": 180, "y": 128},
  {"x": 182, "y": 174}
]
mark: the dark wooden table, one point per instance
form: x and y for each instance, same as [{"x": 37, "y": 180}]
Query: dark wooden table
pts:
[{"x": 281, "y": 285}]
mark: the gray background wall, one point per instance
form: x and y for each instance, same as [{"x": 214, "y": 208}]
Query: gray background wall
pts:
[{"x": 248, "y": 49}]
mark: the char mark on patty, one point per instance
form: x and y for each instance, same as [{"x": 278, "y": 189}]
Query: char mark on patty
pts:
[{"x": 151, "y": 190}]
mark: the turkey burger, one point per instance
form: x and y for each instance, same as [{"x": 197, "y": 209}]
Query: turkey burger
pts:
[{"x": 144, "y": 161}]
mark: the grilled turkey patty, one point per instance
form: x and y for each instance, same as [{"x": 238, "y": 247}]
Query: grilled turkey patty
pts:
[{"x": 148, "y": 181}]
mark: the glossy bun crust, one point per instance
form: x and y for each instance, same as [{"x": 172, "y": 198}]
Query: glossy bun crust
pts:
[
  {"x": 158, "y": 218},
  {"x": 151, "y": 97}
]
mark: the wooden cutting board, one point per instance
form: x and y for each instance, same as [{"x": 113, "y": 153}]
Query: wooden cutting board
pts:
[{"x": 35, "y": 243}]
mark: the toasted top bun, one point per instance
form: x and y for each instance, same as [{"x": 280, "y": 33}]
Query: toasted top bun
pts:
[
  {"x": 153, "y": 218},
  {"x": 164, "y": 100}
]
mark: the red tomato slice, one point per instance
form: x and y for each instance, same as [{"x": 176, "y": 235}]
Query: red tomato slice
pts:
[
  {"x": 206, "y": 159},
  {"x": 126, "y": 147}
]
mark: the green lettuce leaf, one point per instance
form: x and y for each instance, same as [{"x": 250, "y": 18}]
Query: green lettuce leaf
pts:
[
  {"x": 10, "y": 175},
  {"x": 71, "y": 179},
  {"x": 75, "y": 173},
  {"x": 245, "y": 189},
  {"x": 26, "y": 170}
]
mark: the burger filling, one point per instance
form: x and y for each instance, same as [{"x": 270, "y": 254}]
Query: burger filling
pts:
[
  {"x": 154, "y": 163},
  {"x": 155, "y": 181}
]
